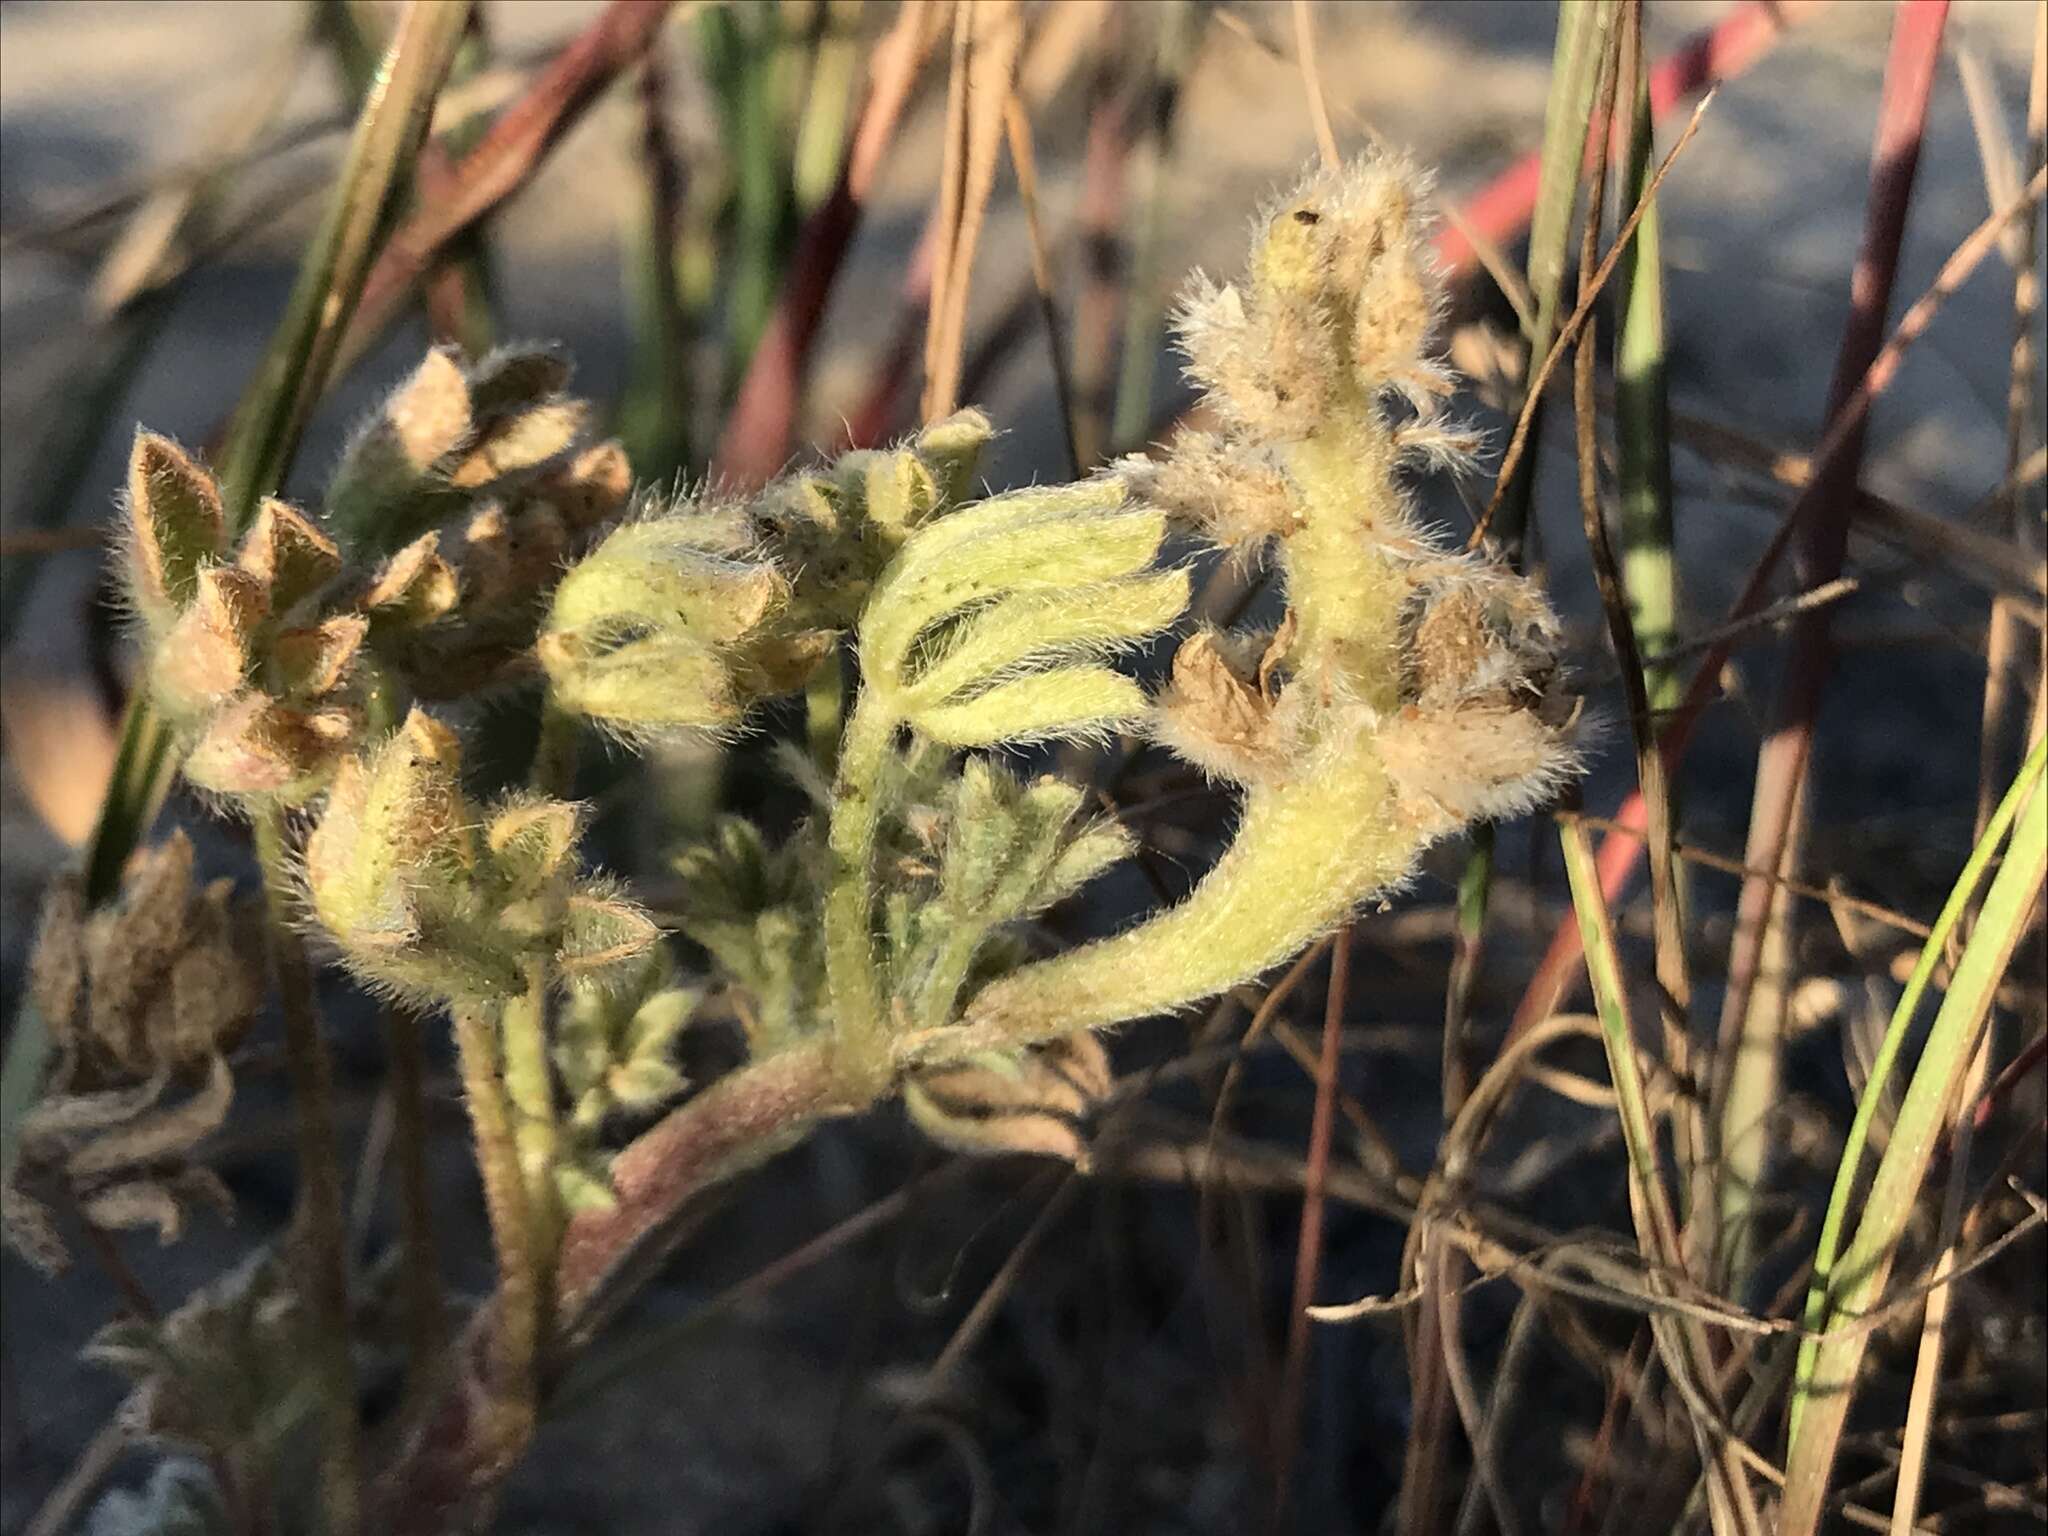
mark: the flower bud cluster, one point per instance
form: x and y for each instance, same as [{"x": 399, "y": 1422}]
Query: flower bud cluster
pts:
[
  {"x": 755, "y": 910},
  {"x": 272, "y": 654},
  {"x": 470, "y": 491},
  {"x": 1409, "y": 691},
  {"x": 682, "y": 621},
  {"x": 614, "y": 1049},
  {"x": 265, "y": 689},
  {"x": 433, "y": 899}
]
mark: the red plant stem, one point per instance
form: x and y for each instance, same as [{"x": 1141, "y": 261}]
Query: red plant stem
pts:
[
  {"x": 1498, "y": 212},
  {"x": 503, "y": 159},
  {"x": 2007, "y": 1080},
  {"x": 1560, "y": 962},
  {"x": 1308, "y": 1253},
  {"x": 761, "y": 427},
  {"x": 1786, "y": 753}
]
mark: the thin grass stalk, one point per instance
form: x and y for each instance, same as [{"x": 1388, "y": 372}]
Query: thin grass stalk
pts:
[
  {"x": 1830, "y": 1358},
  {"x": 1644, "y": 460},
  {"x": 295, "y": 367},
  {"x": 1725, "y": 1482},
  {"x": 1621, "y": 849},
  {"x": 1848, "y": 1166},
  {"x": 1918, "y": 1430},
  {"x": 1308, "y": 1250},
  {"x": 320, "y": 1228},
  {"x": 457, "y": 292},
  {"x": 1582, "y": 31},
  {"x": 2005, "y": 652},
  {"x": 1649, "y": 566},
  {"x": 1745, "y": 1079},
  {"x": 1176, "y": 42},
  {"x": 1501, "y": 210},
  {"x": 514, "y": 1314},
  {"x": 1681, "y": 1339}
]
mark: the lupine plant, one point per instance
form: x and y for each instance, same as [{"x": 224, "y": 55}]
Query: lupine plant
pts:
[{"x": 473, "y": 542}]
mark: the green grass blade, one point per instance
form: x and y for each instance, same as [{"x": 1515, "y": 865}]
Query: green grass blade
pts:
[
  {"x": 1848, "y": 1287},
  {"x": 1582, "y": 30},
  {"x": 1881, "y": 1070},
  {"x": 294, "y": 370},
  {"x": 1642, "y": 414}
]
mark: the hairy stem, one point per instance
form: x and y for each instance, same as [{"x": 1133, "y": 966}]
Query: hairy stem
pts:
[
  {"x": 321, "y": 1230},
  {"x": 516, "y": 1310},
  {"x": 861, "y": 1038}
]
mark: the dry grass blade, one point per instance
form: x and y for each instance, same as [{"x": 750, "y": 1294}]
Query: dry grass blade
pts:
[
  {"x": 1847, "y": 1290},
  {"x": 1681, "y": 1341},
  {"x": 987, "y": 39}
]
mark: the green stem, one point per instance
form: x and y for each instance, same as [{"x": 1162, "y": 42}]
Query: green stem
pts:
[
  {"x": 515, "y": 1336},
  {"x": 323, "y": 1244},
  {"x": 530, "y": 1093},
  {"x": 861, "y": 1037}
]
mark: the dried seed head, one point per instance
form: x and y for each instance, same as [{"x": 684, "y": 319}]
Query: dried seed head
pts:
[
  {"x": 208, "y": 653},
  {"x": 160, "y": 980},
  {"x": 382, "y": 490},
  {"x": 175, "y": 521},
  {"x": 1217, "y": 714},
  {"x": 288, "y": 556},
  {"x": 415, "y": 586},
  {"x": 258, "y": 747},
  {"x": 1237, "y": 495}
]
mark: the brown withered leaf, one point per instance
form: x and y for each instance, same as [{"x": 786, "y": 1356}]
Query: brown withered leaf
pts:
[{"x": 1038, "y": 1102}]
